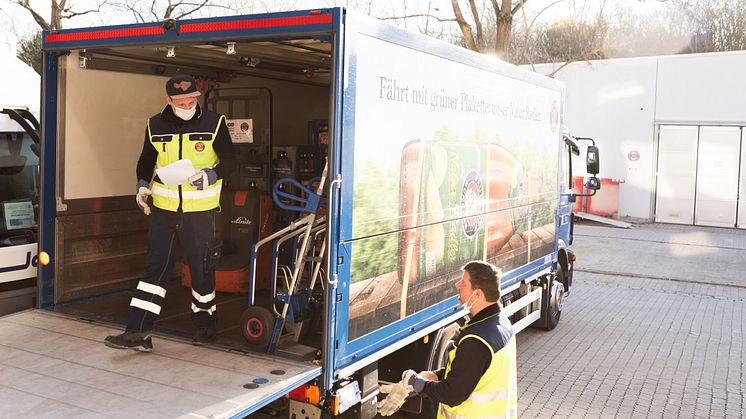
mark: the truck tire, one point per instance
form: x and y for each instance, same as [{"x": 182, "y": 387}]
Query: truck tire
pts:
[
  {"x": 436, "y": 360},
  {"x": 257, "y": 324},
  {"x": 551, "y": 301}
]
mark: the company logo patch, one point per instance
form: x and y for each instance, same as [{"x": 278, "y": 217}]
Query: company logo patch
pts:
[
  {"x": 183, "y": 85},
  {"x": 200, "y": 147},
  {"x": 241, "y": 220},
  {"x": 472, "y": 203}
]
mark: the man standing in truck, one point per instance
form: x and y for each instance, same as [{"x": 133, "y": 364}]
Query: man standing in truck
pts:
[
  {"x": 182, "y": 131},
  {"x": 479, "y": 379}
]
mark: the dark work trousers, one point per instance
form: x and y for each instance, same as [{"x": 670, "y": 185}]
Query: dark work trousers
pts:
[{"x": 196, "y": 233}]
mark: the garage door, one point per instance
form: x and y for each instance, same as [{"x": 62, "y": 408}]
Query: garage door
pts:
[
  {"x": 677, "y": 174},
  {"x": 700, "y": 172},
  {"x": 718, "y": 161},
  {"x": 742, "y": 183}
]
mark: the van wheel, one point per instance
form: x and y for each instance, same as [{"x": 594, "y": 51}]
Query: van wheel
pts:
[
  {"x": 257, "y": 324},
  {"x": 552, "y": 300}
]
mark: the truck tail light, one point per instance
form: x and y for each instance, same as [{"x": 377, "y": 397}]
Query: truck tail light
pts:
[{"x": 307, "y": 394}]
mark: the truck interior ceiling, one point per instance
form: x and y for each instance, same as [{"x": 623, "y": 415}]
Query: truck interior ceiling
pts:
[{"x": 275, "y": 94}]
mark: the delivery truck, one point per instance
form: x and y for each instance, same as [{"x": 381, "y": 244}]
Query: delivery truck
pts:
[{"x": 371, "y": 164}]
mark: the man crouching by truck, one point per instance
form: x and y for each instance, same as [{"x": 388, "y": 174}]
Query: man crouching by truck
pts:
[
  {"x": 479, "y": 379},
  {"x": 182, "y": 131}
]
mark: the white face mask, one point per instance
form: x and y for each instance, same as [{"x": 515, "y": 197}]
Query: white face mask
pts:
[
  {"x": 468, "y": 304},
  {"x": 185, "y": 114}
]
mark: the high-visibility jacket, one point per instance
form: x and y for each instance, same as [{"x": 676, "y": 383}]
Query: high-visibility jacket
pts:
[
  {"x": 194, "y": 141},
  {"x": 496, "y": 393}
]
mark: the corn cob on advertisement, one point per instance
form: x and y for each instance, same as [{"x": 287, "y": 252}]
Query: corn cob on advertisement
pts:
[{"x": 451, "y": 164}]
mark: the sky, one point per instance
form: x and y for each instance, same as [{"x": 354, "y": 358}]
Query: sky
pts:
[{"x": 18, "y": 21}]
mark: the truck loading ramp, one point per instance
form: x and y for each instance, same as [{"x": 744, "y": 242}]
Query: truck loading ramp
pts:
[{"x": 57, "y": 366}]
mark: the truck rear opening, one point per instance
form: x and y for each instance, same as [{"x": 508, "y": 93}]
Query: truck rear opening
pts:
[{"x": 274, "y": 89}]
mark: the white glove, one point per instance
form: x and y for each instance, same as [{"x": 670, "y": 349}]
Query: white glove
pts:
[
  {"x": 397, "y": 395},
  {"x": 142, "y": 199},
  {"x": 203, "y": 178}
]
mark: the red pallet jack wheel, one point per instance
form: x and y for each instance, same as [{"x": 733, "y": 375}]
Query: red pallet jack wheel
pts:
[{"x": 257, "y": 324}]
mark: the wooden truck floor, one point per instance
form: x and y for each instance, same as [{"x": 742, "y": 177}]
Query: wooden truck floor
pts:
[{"x": 55, "y": 365}]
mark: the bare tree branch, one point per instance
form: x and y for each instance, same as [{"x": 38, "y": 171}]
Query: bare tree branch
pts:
[
  {"x": 37, "y": 17},
  {"x": 518, "y": 7},
  {"x": 194, "y": 9},
  {"x": 464, "y": 25},
  {"x": 477, "y": 24},
  {"x": 152, "y": 11},
  {"x": 427, "y": 15},
  {"x": 71, "y": 13}
]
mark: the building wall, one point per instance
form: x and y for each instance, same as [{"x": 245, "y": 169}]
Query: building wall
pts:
[{"x": 620, "y": 103}]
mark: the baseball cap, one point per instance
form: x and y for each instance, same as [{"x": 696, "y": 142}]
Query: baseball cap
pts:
[{"x": 181, "y": 85}]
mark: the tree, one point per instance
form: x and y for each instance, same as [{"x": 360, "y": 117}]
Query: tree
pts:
[
  {"x": 157, "y": 10},
  {"x": 565, "y": 41},
  {"x": 29, "y": 51},
  {"x": 717, "y": 25},
  {"x": 485, "y": 32},
  {"x": 60, "y": 11}
]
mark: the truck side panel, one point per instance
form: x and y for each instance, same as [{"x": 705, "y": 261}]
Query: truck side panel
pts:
[{"x": 450, "y": 156}]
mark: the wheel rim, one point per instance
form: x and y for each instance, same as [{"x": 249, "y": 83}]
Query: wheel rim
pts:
[
  {"x": 557, "y": 299},
  {"x": 254, "y": 328}
]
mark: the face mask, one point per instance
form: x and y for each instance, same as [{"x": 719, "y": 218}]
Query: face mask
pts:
[
  {"x": 185, "y": 114},
  {"x": 468, "y": 304}
]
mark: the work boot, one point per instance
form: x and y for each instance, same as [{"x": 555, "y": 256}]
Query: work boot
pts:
[
  {"x": 204, "y": 335},
  {"x": 138, "y": 341}
]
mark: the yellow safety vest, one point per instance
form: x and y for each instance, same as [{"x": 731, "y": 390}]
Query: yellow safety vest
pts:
[
  {"x": 496, "y": 393},
  {"x": 195, "y": 146}
]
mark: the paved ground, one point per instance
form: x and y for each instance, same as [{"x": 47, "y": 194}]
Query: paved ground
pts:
[{"x": 649, "y": 330}]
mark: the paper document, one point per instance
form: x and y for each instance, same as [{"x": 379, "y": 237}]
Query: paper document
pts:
[{"x": 176, "y": 173}]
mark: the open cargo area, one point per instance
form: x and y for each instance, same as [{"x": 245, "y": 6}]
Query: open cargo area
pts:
[{"x": 275, "y": 95}]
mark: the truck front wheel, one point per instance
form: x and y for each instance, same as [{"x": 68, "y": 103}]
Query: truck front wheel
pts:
[{"x": 552, "y": 300}]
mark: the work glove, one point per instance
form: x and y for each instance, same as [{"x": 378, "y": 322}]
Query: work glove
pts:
[
  {"x": 143, "y": 192},
  {"x": 203, "y": 178},
  {"x": 398, "y": 393}
]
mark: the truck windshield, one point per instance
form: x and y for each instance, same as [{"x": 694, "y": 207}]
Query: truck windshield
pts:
[{"x": 19, "y": 190}]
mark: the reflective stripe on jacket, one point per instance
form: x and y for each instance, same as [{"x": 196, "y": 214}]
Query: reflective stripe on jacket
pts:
[{"x": 195, "y": 143}]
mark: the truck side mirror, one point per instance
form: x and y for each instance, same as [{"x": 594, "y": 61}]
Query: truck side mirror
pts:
[
  {"x": 591, "y": 160},
  {"x": 593, "y": 183}
]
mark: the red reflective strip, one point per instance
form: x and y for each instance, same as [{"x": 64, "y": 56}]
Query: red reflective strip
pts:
[
  {"x": 104, "y": 34},
  {"x": 255, "y": 23}
]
